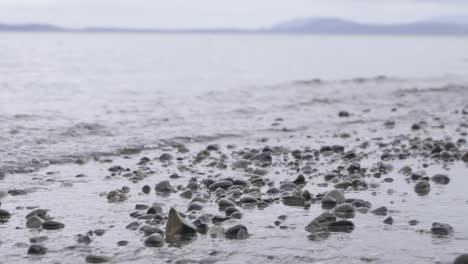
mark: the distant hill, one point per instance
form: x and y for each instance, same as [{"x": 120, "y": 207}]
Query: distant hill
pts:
[
  {"x": 29, "y": 27},
  {"x": 441, "y": 26},
  {"x": 338, "y": 26}
]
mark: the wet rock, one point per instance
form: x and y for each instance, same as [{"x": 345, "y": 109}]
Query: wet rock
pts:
[
  {"x": 236, "y": 232},
  {"x": 97, "y": 259},
  {"x": 164, "y": 187},
  {"x": 34, "y": 222},
  {"x": 187, "y": 194},
  {"x": 441, "y": 229},
  {"x": 38, "y": 239},
  {"x": 4, "y": 214},
  {"x": 320, "y": 223},
  {"x": 341, "y": 226},
  {"x": 122, "y": 243},
  {"x": 52, "y": 225},
  {"x": 165, "y": 157},
  {"x": 155, "y": 240},
  {"x": 41, "y": 213},
  {"x": 299, "y": 180},
  {"x": 413, "y": 222},
  {"x": 16, "y": 192},
  {"x": 422, "y": 187},
  {"x": 37, "y": 250},
  {"x": 149, "y": 230},
  {"x": 177, "y": 225},
  {"x": 294, "y": 200},
  {"x": 462, "y": 259},
  {"x": 440, "y": 179},
  {"x": 248, "y": 199},
  {"x": 224, "y": 203},
  {"x": 345, "y": 210},
  {"x": 318, "y": 236},
  {"x": 343, "y": 113},
  {"x": 306, "y": 195},
  {"x": 155, "y": 209},
  {"x": 332, "y": 198},
  {"x": 133, "y": 226},
  {"x": 146, "y": 189},
  {"x": 388, "y": 220},
  {"x": 221, "y": 184},
  {"x": 117, "y": 196},
  {"x": 195, "y": 206},
  {"x": 380, "y": 211}
]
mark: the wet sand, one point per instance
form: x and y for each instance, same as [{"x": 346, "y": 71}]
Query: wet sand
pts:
[{"x": 371, "y": 144}]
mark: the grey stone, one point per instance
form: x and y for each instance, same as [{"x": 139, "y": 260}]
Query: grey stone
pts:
[
  {"x": 294, "y": 200},
  {"x": 52, "y": 225},
  {"x": 441, "y": 229},
  {"x": 177, "y": 225},
  {"x": 97, "y": 259},
  {"x": 462, "y": 259},
  {"x": 37, "y": 250},
  {"x": 155, "y": 240},
  {"x": 34, "y": 222},
  {"x": 164, "y": 187},
  {"x": 345, "y": 210}
]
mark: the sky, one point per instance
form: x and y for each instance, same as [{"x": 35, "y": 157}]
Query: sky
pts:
[{"x": 220, "y": 13}]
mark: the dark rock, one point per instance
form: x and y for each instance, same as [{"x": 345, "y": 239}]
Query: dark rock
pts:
[
  {"x": 4, "y": 214},
  {"x": 341, "y": 226},
  {"x": 155, "y": 209},
  {"x": 380, "y": 211},
  {"x": 187, "y": 194},
  {"x": 52, "y": 225},
  {"x": 42, "y": 213},
  {"x": 224, "y": 203},
  {"x": 294, "y": 200},
  {"x": 146, "y": 189},
  {"x": 332, "y": 198},
  {"x": 34, "y": 222},
  {"x": 122, "y": 243},
  {"x": 345, "y": 210},
  {"x": 195, "y": 206},
  {"x": 343, "y": 113},
  {"x": 16, "y": 192},
  {"x": 299, "y": 180},
  {"x": 441, "y": 229},
  {"x": 388, "y": 220},
  {"x": 320, "y": 223},
  {"x": 441, "y": 179},
  {"x": 97, "y": 259},
  {"x": 462, "y": 259},
  {"x": 164, "y": 187},
  {"x": 422, "y": 187},
  {"x": 221, "y": 184},
  {"x": 37, "y": 250},
  {"x": 117, "y": 196},
  {"x": 236, "y": 232},
  {"x": 248, "y": 199},
  {"x": 155, "y": 240}
]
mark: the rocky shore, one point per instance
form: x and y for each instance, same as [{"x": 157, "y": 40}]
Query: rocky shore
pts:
[{"x": 360, "y": 188}]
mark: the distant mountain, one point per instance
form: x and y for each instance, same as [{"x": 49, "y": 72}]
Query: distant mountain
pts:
[
  {"x": 339, "y": 26},
  {"x": 440, "y": 26},
  {"x": 29, "y": 27}
]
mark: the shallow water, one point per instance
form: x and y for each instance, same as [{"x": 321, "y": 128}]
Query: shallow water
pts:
[{"x": 64, "y": 96}]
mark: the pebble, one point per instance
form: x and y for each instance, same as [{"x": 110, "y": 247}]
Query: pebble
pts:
[
  {"x": 37, "y": 250},
  {"x": 195, "y": 206},
  {"x": 441, "y": 179},
  {"x": 97, "y": 259},
  {"x": 294, "y": 200},
  {"x": 388, "y": 220},
  {"x": 345, "y": 210},
  {"x": 164, "y": 187},
  {"x": 422, "y": 187},
  {"x": 4, "y": 214},
  {"x": 34, "y": 222},
  {"x": 341, "y": 226},
  {"x": 155, "y": 240},
  {"x": 441, "y": 229},
  {"x": 332, "y": 198},
  {"x": 380, "y": 211},
  {"x": 52, "y": 225}
]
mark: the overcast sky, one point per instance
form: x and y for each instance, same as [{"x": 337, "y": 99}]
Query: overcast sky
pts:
[{"x": 220, "y": 13}]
